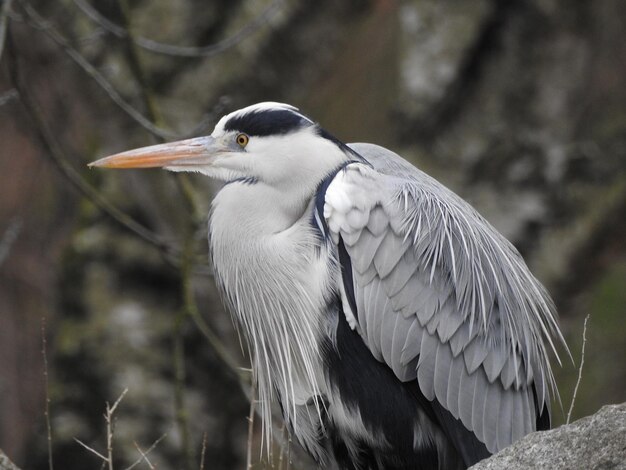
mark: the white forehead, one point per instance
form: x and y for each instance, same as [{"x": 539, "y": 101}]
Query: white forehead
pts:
[{"x": 264, "y": 106}]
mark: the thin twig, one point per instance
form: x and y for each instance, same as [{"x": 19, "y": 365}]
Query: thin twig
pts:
[
  {"x": 108, "y": 417},
  {"x": 183, "y": 51},
  {"x": 44, "y": 348},
  {"x": 250, "y": 428},
  {"x": 580, "y": 369},
  {"x": 109, "y": 420},
  {"x": 91, "y": 449},
  {"x": 144, "y": 454}
]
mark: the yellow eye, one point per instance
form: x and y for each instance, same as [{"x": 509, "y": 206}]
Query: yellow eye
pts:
[{"x": 242, "y": 140}]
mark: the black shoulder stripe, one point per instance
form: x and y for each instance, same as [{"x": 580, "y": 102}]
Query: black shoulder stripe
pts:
[
  {"x": 320, "y": 199},
  {"x": 346, "y": 275}
]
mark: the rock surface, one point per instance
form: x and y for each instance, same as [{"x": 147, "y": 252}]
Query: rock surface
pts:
[
  {"x": 5, "y": 462},
  {"x": 594, "y": 442}
]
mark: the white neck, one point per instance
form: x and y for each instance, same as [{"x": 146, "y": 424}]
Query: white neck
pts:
[{"x": 275, "y": 281}]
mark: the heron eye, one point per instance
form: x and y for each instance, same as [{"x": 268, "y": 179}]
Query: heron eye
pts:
[{"x": 242, "y": 140}]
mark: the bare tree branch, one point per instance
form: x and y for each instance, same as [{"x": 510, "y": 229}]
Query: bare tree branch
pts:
[
  {"x": 183, "y": 51},
  {"x": 58, "y": 158},
  {"x": 37, "y": 21}
]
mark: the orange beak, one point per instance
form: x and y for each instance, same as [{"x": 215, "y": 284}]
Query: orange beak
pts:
[{"x": 190, "y": 152}]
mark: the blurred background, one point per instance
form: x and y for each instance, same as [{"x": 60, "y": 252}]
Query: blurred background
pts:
[{"x": 517, "y": 105}]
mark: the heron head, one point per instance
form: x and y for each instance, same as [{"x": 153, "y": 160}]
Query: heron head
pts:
[{"x": 269, "y": 142}]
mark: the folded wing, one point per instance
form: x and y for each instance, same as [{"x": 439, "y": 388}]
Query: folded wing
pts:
[{"x": 441, "y": 297}]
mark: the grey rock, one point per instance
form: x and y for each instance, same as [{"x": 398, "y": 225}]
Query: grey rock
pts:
[
  {"x": 594, "y": 442},
  {"x": 5, "y": 462}
]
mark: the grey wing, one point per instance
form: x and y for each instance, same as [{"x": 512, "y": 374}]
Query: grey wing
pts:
[{"x": 441, "y": 297}]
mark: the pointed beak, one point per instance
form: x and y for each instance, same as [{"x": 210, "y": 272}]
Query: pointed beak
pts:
[{"x": 190, "y": 152}]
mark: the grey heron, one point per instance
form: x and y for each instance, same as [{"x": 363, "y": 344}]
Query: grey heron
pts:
[{"x": 394, "y": 325}]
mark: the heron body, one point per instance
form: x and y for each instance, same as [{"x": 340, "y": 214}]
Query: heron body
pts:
[{"x": 396, "y": 328}]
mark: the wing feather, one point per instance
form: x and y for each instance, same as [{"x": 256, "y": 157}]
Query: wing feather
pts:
[
  {"x": 378, "y": 221},
  {"x": 466, "y": 398},
  {"x": 456, "y": 375},
  {"x": 450, "y": 321},
  {"x": 503, "y": 429},
  {"x": 443, "y": 363},
  {"x": 494, "y": 362},
  {"x": 474, "y": 354},
  {"x": 374, "y": 308},
  {"x": 401, "y": 335},
  {"x": 517, "y": 417},
  {"x": 401, "y": 274},
  {"x": 491, "y": 416},
  {"x": 389, "y": 252},
  {"x": 412, "y": 344},
  {"x": 363, "y": 251},
  {"x": 426, "y": 365},
  {"x": 478, "y": 405}
]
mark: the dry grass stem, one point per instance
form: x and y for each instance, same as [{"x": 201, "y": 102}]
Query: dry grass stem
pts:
[
  {"x": 203, "y": 451},
  {"x": 92, "y": 450},
  {"x": 144, "y": 454},
  {"x": 580, "y": 370},
  {"x": 108, "y": 416},
  {"x": 44, "y": 347}
]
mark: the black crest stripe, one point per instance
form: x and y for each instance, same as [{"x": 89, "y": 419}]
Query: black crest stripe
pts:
[{"x": 267, "y": 122}]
